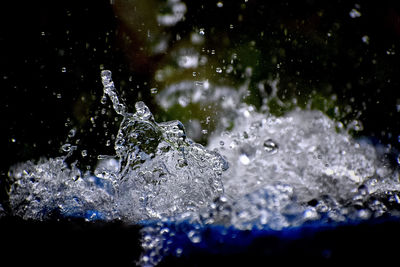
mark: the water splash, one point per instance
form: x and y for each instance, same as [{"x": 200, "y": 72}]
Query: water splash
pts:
[{"x": 284, "y": 172}]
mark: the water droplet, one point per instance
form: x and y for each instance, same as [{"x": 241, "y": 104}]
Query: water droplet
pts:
[
  {"x": 390, "y": 52},
  {"x": 103, "y": 99},
  {"x": 354, "y": 13},
  {"x": 66, "y": 147},
  {"x": 270, "y": 146},
  {"x": 72, "y": 133},
  {"x": 218, "y": 70},
  {"x": 365, "y": 39}
]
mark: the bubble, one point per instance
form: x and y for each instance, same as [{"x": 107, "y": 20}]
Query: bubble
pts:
[
  {"x": 84, "y": 153},
  {"x": 72, "y": 133},
  {"x": 270, "y": 146},
  {"x": 63, "y": 69},
  {"x": 194, "y": 236},
  {"x": 220, "y": 4},
  {"x": 103, "y": 99},
  {"x": 218, "y": 70},
  {"x": 66, "y": 147}
]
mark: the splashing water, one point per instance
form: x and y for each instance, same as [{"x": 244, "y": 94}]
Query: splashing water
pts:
[
  {"x": 157, "y": 172},
  {"x": 283, "y": 172}
]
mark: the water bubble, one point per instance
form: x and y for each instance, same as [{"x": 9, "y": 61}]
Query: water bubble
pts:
[
  {"x": 66, "y": 147},
  {"x": 270, "y": 146},
  {"x": 63, "y": 69},
  {"x": 221, "y": 143},
  {"x": 194, "y": 236},
  {"x": 153, "y": 91},
  {"x": 220, "y": 4},
  {"x": 218, "y": 70},
  {"x": 201, "y": 31},
  {"x": 204, "y": 131},
  {"x": 103, "y": 99},
  {"x": 84, "y": 153},
  {"x": 72, "y": 133}
]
